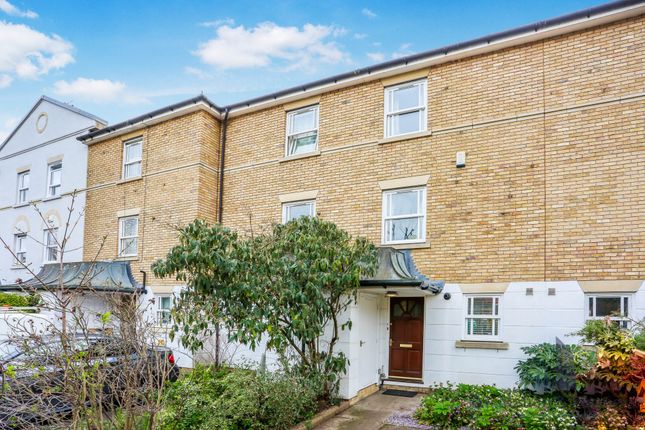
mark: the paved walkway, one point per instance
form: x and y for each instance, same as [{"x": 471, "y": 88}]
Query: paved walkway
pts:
[{"x": 371, "y": 413}]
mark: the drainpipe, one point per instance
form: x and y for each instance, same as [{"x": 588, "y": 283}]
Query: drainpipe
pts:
[{"x": 220, "y": 208}]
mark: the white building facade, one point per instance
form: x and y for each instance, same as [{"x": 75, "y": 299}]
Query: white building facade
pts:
[{"x": 43, "y": 168}]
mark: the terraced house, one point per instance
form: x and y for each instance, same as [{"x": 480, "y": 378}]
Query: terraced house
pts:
[{"x": 502, "y": 177}]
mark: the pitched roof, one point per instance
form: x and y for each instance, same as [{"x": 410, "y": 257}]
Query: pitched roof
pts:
[{"x": 54, "y": 102}]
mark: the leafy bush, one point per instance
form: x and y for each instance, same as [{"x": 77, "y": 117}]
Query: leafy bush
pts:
[
  {"x": 552, "y": 368},
  {"x": 19, "y": 300},
  {"x": 488, "y": 407},
  {"x": 208, "y": 398}
]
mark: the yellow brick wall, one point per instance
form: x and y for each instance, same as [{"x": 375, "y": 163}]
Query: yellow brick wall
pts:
[
  {"x": 179, "y": 183},
  {"x": 504, "y": 217}
]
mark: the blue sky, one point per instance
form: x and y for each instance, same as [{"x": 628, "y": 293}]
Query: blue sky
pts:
[{"x": 119, "y": 59}]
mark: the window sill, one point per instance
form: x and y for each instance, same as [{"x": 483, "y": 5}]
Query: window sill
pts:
[
  {"x": 408, "y": 136},
  {"x": 299, "y": 156},
  {"x": 127, "y": 258},
  {"x": 416, "y": 245},
  {"x": 481, "y": 344},
  {"x": 17, "y": 267},
  {"x": 21, "y": 205},
  {"x": 47, "y": 199},
  {"x": 125, "y": 181}
]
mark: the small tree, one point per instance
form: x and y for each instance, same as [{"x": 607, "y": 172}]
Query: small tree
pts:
[{"x": 290, "y": 286}]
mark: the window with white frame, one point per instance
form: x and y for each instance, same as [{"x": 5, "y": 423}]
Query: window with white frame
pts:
[
  {"x": 302, "y": 131},
  {"x": 128, "y": 236},
  {"x": 406, "y": 108},
  {"x": 482, "y": 317},
  {"x": 20, "y": 248},
  {"x": 612, "y": 306},
  {"x": 132, "y": 150},
  {"x": 23, "y": 187},
  {"x": 293, "y": 210},
  {"x": 54, "y": 177},
  {"x": 404, "y": 215},
  {"x": 51, "y": 245},
  {"x": 164, "y": 307}
]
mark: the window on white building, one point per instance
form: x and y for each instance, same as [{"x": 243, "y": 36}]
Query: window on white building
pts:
[
  {"x": 54, "y": 178},
  {"x": 164, "y": 307},
  {"x": 132, "y": 150},
  {"x": 291, "y": 211},
  {"x": 482, "y": 317},
  {"x": 302, "y": 131},
  {"x": 51, "y": 245},
  {"x": 23, "y": 187},
  {"x": 406, "y": 108},
  {"x": 20, "y": 248},
  {"x": 128, "y": 236},
  {"x": 404, "y": 215},
  {"x": 612, "y": 306}
]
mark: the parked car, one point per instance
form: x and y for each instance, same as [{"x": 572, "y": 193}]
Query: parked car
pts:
[{"x": 33, "y": 374}]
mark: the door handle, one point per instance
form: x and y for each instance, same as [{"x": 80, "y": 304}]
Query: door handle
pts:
[{"x": 405, "y": 345}]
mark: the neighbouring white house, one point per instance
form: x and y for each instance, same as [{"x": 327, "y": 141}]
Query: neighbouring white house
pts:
[{"x": 42, "y": 164}]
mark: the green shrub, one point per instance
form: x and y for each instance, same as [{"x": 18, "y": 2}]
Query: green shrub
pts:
[
  {"x": 488, "y": 407},
  {"x": 238, "y": 399},
  {"x": 552, "y": 368},
  {"x": 19, "y": 300}
]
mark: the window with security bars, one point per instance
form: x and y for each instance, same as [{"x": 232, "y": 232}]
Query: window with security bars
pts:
[
  {"x": 614, "y": 307},
  {"x": 132, "y": 150},
  {"x": 483, "y": 317},
  {"x": 164, "y": 306},
  {"x": 302, "y": 131}
]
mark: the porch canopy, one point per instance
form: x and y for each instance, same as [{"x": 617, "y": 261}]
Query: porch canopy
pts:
[
  {"x": 397, "y": 271},
  {"x": 99, "y": 276}
]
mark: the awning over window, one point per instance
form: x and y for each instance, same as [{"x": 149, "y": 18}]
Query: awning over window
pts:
[
  {"x": 100, "y": 276},
  {"x": 396, "y": 268}
]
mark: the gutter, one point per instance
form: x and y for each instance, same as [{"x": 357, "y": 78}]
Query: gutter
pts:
[{"x": 586, "y": 18}]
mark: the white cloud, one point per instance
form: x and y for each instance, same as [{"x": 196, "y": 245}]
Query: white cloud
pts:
[
  {"x": 97, "y": 91},
  {"x": 368, "y": 13},
  {"x": 198, "y": 73},
  {"x": 239, "y": 47},
  {"x": 360, "y": 36},
  {"x": 376, "y": 57},
  {"x": 5, "y": 81},
  {"x": 27, "y": 53},
  {"x": 403, "y": 51},
  {"x": 217, "y": 22},
  {"x": 12, "y": 10}
]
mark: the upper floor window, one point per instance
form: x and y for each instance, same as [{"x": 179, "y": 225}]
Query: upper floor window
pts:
[
  {"x": 406, "y": 108},
  {"x": 291, "y": 211},
  {"x": 612, "y": 306},
  {"x": 128, "y": 236},
  {"x": 51, "y": 245},
  {"x": 164, "y": 307},
  {"x": 23, "y": 187},
  {"x": 302, "y": 130},
  {"x": 483, "y": 317},
  {"x": 20, "y": 248},
  {"x": 404, "y": 215},
  {"x": 132, "y": 158},
  {"x": 54, "y": 177}
]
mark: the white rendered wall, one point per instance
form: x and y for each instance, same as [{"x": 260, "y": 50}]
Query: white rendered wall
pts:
[{"x": 29, "y": 148}]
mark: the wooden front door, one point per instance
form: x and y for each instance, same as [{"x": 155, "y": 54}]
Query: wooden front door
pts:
[{"x": 406, "y": 337}]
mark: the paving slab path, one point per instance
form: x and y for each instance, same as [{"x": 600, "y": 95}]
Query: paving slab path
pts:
[{"x": 373, "y": 412}]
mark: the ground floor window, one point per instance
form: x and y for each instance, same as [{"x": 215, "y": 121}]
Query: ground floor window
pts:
[
  {"x": 612, "y": 306},
  {"x": 483, "y": 317},
  {"x": 164, "y": 306}
]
